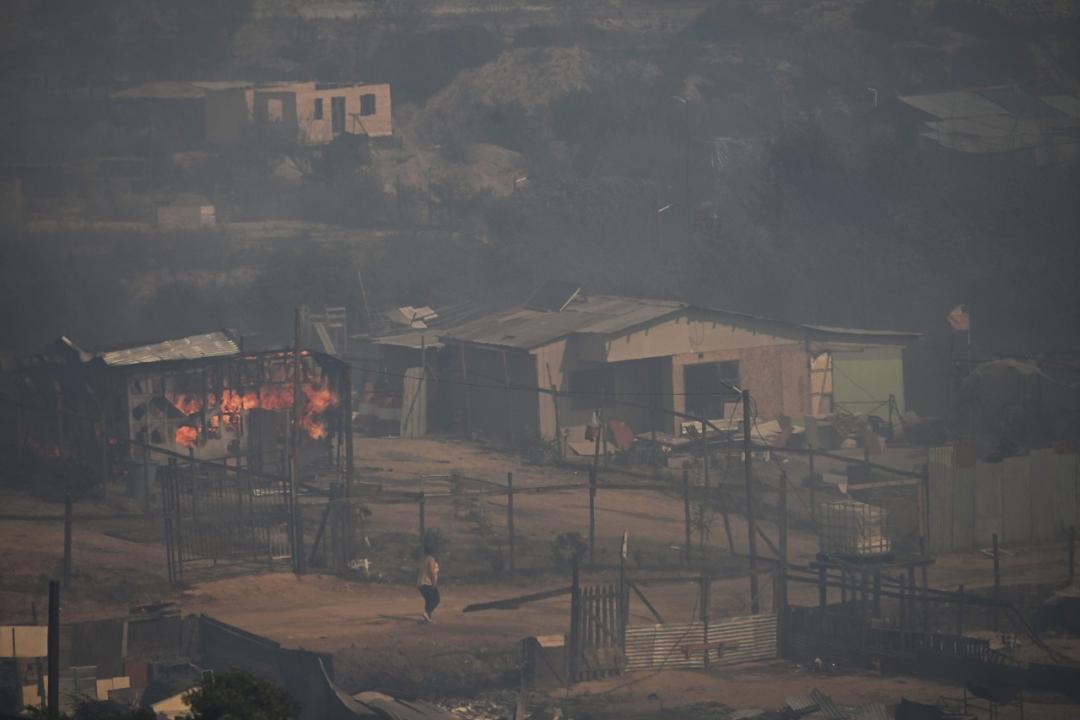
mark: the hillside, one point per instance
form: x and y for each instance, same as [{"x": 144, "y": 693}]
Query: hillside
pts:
[{"x": 744, "y": 154}]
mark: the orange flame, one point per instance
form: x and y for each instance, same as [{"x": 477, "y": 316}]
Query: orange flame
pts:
[
  {"x": 316, "y": 401},
  {"x": 187, "y": 436},
  {"x": 187, "y": 404}
]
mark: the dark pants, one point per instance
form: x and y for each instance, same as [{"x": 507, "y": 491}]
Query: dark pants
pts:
[{"x": 431, "y": 597}]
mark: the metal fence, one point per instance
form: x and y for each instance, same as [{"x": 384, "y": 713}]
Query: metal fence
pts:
[
  {"x": 741, "y": 639},
  {"x": 214, "y": 517},
  {"x": 1024, "y": 500}
]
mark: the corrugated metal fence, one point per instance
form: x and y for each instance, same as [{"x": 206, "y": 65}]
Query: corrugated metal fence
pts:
[
  {"x": 1024, "y": 500},
  {"x": 664, "y": 646}
]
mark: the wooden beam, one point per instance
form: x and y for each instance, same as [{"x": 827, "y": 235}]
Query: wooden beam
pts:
[{"x": 516, "y": 602}]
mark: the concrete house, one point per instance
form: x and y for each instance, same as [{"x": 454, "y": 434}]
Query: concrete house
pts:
[
  {"x": 316, "y": 112},
  {"x": 644, "y": 359},
  {"x": 225, "y": 111}
]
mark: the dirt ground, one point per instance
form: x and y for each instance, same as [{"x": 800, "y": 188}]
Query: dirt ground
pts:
[{"x": 371, "y": 626}]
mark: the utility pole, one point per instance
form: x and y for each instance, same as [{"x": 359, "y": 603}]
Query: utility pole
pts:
[
  {"x": 751, "y": 527},
  {"x": 294, "y": 464},
  {"x": 53, "y": 650}
]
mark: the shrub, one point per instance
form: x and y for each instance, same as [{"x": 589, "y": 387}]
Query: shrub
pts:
[{"x": 239, "y": 695}]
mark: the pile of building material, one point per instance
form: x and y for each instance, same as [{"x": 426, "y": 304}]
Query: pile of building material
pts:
[{"x": 853, "y": 529}]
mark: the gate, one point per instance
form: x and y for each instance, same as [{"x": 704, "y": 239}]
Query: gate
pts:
[
  {"x": 214, "y": 516},
  {"x": 734, "y": 640},
  {"x": 596, "y": 631}
]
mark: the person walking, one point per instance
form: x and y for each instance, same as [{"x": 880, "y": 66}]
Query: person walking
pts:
[{"x": 427, "y": 581}]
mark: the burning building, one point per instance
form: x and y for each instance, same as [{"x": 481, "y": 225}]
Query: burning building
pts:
[{"x": 200, "y": 396}]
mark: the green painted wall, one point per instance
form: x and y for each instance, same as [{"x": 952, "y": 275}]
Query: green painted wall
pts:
[{"x": 864, "y": 379}]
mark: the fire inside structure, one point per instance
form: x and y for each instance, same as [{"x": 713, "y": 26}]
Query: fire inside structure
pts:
[{"x": 203, "y": 397}]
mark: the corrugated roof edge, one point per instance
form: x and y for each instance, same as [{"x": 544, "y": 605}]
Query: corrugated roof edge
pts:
[{"x": 816, "y": 332}]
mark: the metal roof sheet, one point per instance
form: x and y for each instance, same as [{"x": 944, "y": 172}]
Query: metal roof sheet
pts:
[
  {"x": 413, "y": 340},
  {"x": 953, "y": 104},
  {"x": 193, "y": 347},
  {"x": 1066, "y": 104},
  {"x": 526, "y": 329},
  {"x": 1019, "y": 103}
]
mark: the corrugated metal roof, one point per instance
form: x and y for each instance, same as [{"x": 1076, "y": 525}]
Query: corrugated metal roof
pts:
[
  {"x": 526, "y": 329},
  {"x": 1017, "y": 102},
  {"x": 414, "y": 339},
  {"x": 953, "y": 104},
  {"x": 1066, "y": 104},
  {"x": 193, "y": 347}
]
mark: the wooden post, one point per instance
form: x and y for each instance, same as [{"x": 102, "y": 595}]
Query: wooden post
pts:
[
  {"x": 509, "y": 403},
  {"x": 864, "y": 593},
  {"x": 59, "y": 418},
  {"x": 1072, "y": 554},
  {"x": 705, "y": 452},
  {"x": 603, "y": 431},
  {"x": 903, "y": 602},
  {"x": 575, "y": 618},
  {"x": 592, "y": 516},
  {"x": 53, "y": 645},
  {"x": 686, "y": 513},
  {"x": 555, "y": 408},
  {"x": 782, "y": 577},
  {"x": 19, "y": 433},
  {"x": 104, "y": 453},
  {"x": 911, "y": 596},
  {"x": 146, "y": 475},
  {"x": 997, "y": 580},
  {"x": 67, "y": 541},
  {"x": 510, "y": 517},
  {"x": 748, "y": 477},
  {"x": 925, "y": 518},
  {"x": 960, "y": 610},
  {"x": 294, "y": 463},
  {"x": 421, "y": 507},
  {"x": 823, "y": 586},
  {"x": 705, "y": 585},
  {"x": 813, "y": 492},
  {"x": 925, "y": 589},
  {"x": 468, "y": 394},
  {"x": 346, "y": 390},
  {"x": 877, "y": 594},
  {"x": 624, "y": 591}
]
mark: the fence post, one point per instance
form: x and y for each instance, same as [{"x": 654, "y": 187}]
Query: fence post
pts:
[
  {"x": 823, "y": 586},
  {"x": 67, "y": 541},
  {"x": 1072, "y": 553},
  {"x": 705, "y": 586},
  {"x": 911, "y": 596},
  {"x": 146, "y": 476},
  {"x": 877, "y": 594},
  {"x": 960, "y": 610},
  {"x": 748, "y": 477},
  {"x": 997, "y": 580},
  {"x": 592, "y": 515},
  {"x": 575, "y": 617},
  {"x": 510, "y": 517},
  {"x": 53, "y": 641},
  {"x": 421, "y": 502},
  {"x": 104, "y": 454},
  {"x": 813, "y": 492},
  {"x": 686, "y": 513},
  {"x": 782, "y": 585}
]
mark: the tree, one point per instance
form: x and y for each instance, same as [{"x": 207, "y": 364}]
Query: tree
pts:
[{"x": 239, "y": 695}]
